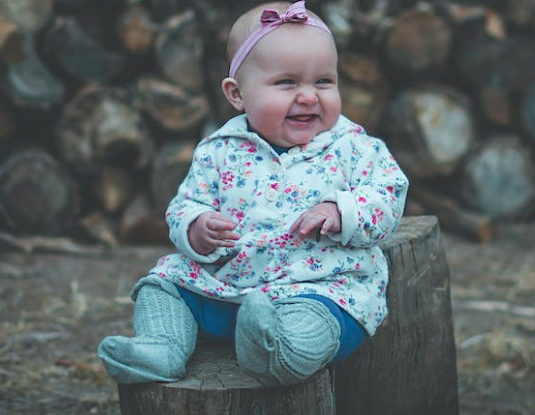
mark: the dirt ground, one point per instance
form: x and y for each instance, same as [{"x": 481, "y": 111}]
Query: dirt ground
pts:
[{"x": 55, "y": 308}]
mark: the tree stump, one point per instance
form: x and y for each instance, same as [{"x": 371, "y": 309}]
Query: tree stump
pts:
[
  {"x": 215, "y": 384},
  {"x": 408, "y": 367}
]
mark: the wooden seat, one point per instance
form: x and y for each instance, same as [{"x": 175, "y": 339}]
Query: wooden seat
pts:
[{"x": 408, "y": 367}]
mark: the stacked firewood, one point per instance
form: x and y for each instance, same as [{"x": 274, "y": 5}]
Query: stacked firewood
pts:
[{"x": 103, "y": 101}]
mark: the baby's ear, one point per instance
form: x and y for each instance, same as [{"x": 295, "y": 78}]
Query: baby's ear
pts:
[{"x": 232, "y": 92}]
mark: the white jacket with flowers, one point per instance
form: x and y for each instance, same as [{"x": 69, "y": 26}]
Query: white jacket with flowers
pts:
[{"x": 236, "y": 172}]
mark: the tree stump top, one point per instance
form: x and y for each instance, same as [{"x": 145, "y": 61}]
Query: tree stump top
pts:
[{"x": 216, "y": 368}]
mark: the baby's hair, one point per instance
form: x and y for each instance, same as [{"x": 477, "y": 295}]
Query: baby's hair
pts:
[{"x": 249, "y": 21}]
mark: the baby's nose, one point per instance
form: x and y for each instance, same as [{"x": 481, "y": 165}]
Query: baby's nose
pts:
[{"x": 307, "y": 97}]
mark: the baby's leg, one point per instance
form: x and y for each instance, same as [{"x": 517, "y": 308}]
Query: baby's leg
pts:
[
  {"x": 286, "y": 341},
  {"x": 165, "y": 336}
]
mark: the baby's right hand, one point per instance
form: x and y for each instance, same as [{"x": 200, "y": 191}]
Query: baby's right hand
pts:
[{"x": 210, "y": 231}]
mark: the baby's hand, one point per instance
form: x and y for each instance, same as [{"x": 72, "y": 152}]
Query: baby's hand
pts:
[
  {"x": 210, "y": 231},
  {"x": 323, "y": 217}
]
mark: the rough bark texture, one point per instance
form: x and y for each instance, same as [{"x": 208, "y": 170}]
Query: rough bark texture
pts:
[{"x": 409, "y": 366}]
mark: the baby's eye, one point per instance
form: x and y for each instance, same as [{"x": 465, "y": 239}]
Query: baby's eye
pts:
[
  {"x": 285, "y": 82},
  {"x": 324, "y": 81}
]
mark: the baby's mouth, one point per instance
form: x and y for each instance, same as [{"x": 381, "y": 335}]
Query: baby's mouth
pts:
[{"x": 303, "y": 117}]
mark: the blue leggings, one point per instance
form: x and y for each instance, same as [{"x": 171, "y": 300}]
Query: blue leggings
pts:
[{"x": 217, "y": 321}]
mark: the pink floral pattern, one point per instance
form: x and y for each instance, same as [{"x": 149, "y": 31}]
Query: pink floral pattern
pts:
[{"x": 238, "y": 173}]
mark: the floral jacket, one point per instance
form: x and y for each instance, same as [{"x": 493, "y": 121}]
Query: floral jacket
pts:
[{"x": 239, "y": 174}]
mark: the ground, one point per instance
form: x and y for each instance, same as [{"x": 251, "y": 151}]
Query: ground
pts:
[{"x": 56, "y": 307}]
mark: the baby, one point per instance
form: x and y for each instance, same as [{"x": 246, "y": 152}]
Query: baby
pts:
[{"x": 277, "y": 224}]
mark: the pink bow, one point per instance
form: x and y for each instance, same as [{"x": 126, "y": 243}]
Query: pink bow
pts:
[
  {"x": 270, "y": 20},
  {"x": 295, "y": 14}
]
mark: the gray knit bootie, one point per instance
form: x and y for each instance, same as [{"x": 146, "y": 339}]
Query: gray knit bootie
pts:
[
  {"x": 165, "y": 336},
  {"x": 286, "y": 341}
]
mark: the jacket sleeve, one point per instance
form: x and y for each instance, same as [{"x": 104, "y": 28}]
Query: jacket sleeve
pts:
[
  {"x": 197, "y": 194},
  {"x": 373, "y": 206}
]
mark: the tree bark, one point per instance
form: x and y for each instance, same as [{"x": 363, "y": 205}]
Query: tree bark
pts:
[
  {"x": 179, "y": 51},
  {"x": 29, "y": 84},
  {"x": 170, "y": 167},
  {"x": 409, "y": 365},
  {"x": 502, "y": 62},
  {"x": 137, "y": 31},
  {"x": 79, "y": 55},
  {"x": 363, "y": 89},
  {"x": 100, "y": 127},
  {"x": 171, "y": 106}
]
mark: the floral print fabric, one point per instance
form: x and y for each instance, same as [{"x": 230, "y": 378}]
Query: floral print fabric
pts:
[{"x": 239, "y": 174}]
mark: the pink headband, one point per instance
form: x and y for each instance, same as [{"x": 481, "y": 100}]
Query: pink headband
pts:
[{"x": 270, "y": 20}]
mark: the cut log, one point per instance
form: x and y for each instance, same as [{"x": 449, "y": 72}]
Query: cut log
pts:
[
  {"x": 29, "y": 84},
  {"x": 215, "y": 384},
  {"x": 170, "y": 167},
  {"x": 419, "y": 40},
  {"x": 498, "y": 179},
  {"x": 28, "y": 15},
  {"x": 179, "y": 51},
  {"x": 100, "y": 127},
  {"x": 171, "y": 106},
  {"x": 113, "y": 187},
  {"x": 430, "y": 129},
  {"x": 137, "y": 31},
  {"x": 504, "y": 63},
  {"x": 37, "y": 196},
  {"x": 451, "y": 215},
  {"x": 141, "y": 225},
  {"x": 409, "y": 365},
  {"x": 364, "y": 90},
  {"x": 80, "y": 56},
  {"x": 527, "y": 113},
  {"x": 11, "y": 42}
]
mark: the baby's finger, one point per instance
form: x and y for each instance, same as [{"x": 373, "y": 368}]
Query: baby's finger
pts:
[
  {"x": 231, "y": 236},
  {"x": 296, "y": 225},
  {"x": 221, "y": 224},
  {"x": 327, "y": 226}
]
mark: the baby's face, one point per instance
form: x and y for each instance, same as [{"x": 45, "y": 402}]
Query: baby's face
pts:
[{"x": 289, "y": 85}]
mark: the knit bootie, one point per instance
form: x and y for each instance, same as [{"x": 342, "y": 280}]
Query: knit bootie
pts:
[
  {"x": 166, "y": 332},
  {"x": 286, "y": 341}
]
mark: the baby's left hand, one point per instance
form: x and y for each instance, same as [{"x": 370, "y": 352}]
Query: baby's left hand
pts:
[{"x": 323, "y": 216}]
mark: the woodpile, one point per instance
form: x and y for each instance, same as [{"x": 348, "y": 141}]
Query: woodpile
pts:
[{"x": 103, "y": 101}]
